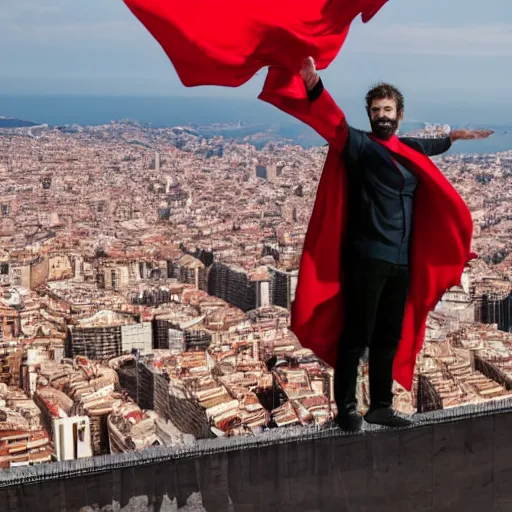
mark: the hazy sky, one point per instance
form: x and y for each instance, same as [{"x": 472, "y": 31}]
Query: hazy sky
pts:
[{"x": 440, "y": 49}]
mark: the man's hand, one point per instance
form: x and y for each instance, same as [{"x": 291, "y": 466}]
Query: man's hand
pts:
[
  {"x": 470, "y": 134},
  {"x": 308, "y": 73}
]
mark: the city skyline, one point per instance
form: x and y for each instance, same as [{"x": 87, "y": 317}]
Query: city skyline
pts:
[{"x": 101, "y": 48}]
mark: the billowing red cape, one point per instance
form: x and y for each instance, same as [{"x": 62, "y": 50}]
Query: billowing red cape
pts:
[
  {"x": 226, "y": 42},
  {"x": 442, "y": 233}
]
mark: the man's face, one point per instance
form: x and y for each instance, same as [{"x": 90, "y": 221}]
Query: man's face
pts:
[{"x": 384, "y": 117}]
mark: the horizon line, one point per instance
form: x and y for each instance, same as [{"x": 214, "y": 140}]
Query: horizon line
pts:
[{"x": 495, "y": 102}]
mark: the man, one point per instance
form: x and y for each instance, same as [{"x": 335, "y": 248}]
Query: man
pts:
[{"x": 376, "y": 252}]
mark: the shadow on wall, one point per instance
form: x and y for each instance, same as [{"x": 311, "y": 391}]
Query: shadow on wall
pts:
[{"x": 453, "y": 461}]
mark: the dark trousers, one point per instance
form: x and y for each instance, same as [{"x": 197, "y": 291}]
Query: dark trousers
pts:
[{"x": 375, "y": 298}]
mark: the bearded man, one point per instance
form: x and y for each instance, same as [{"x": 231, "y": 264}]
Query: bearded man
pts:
[{"x": 376, "y": 249}]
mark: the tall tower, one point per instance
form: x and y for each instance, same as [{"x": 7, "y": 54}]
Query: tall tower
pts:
[
  {"x": 271, "y": 173},
  {"x": 157, "y": 161}
]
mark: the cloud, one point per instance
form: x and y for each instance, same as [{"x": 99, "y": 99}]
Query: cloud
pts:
[
  {"x": 67, "y": 21},
  {"x": 24, "y": 10},
  {"x": 477, "y": 40},
  {"x": 70, "y": 32}
]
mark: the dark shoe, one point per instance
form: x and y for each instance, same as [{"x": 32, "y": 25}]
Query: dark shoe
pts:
[
  {"x": 349, "y": 421},
  {"x": 387, "y": 417}
]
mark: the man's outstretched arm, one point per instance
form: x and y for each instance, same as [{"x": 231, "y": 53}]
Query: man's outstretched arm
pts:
[
  {"x": 430, "y": 147},
  {"x": 470, "y": 134},
  {"x": 289, "y": 93},
  {"x": 315, "y": 91},
  {"x": 438, "y": 146}
]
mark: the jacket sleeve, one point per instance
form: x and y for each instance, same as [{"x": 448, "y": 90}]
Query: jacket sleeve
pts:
[
  {"x": 317, "y": 91},
  {"x": 430, "y": 147},
  {"x": 287, "y": 92}
]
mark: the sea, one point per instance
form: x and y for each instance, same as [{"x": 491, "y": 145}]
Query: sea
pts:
[{"x": 56, "y": 110}]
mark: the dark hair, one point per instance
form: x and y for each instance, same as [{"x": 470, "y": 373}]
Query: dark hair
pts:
[{"x": 385, "y": 91}]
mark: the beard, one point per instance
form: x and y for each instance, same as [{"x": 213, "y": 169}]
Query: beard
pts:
[{"x": 383, "y": 127}]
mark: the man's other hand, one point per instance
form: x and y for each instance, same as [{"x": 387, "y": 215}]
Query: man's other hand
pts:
[
  {"x": 308, "y": 73},
  {"x": 470, "y": 134}
]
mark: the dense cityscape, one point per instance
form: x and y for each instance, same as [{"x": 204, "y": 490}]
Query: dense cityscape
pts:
[{"x": 146, "y": 279}]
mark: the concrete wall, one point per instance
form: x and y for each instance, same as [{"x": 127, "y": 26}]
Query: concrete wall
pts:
[{"x": 451, "y": 462}]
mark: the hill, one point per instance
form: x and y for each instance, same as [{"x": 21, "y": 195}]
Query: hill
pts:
[{"x": 9, "y": 122}]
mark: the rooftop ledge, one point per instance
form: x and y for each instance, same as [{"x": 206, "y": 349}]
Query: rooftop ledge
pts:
[{"x": 211, "y": 447}]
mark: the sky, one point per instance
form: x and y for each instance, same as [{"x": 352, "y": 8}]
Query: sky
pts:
[{"x": 436, "y": 50}]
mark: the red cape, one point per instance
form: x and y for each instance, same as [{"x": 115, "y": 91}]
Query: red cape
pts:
[
  {"x": 441, "y": 245},
  {"x": 226, "y": 42}
]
